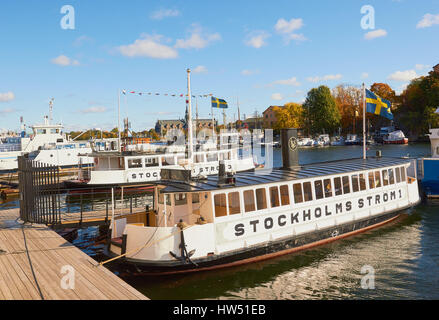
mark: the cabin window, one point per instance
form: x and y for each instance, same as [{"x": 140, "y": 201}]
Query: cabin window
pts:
[
  {"x": 212, "y": 157},
  {"x": 274, "y": 197},
  {"x": 199, "y": 158},
  {"x": 385, "y": 177},
  {"x": 195, "y": 198},
  {"x": 220, "y": 205},
  {"x": 319, "y": 189},
  {"x": 166, "y": 161},
  {"x": 398, "y": 175},
  {"x": 180, "y": 199},
  {"x": 135, "y": 163},
  {"x": 151, "y": 162},
  {"x": 362, "y": 181},
  {"x": 284, "y": 195},
  {"x": 249, "y": 201},
  {"x": 328, "y": 188},
  {"x": 371, "y": 181},
  {"x": 355, "y": 186},
  {"x": 307, "y": 191},
  {"x": 391, "y": 177},
  {"x": 402, "y": 173},
  {"x": 261, "y": 200},
  {"x": 377, "y": 179},
  {"x": 346, "y": 188},
  {"x": 297, "y": 191},
  {"x": 337, "y": 186},
  {"x": 234, "y": 205},
  {"x": 161, "y": 198}
]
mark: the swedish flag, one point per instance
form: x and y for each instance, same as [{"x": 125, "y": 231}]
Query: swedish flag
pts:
[
  {"x": 378, "y": 106},
  {"x": 219, "y": 103}
]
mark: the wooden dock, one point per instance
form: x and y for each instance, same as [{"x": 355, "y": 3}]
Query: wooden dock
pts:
[{"x": 35, "y": 263}]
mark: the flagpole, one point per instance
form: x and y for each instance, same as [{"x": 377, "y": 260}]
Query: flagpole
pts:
[
  {"x": 118, "y": 118},
  {"x": 190, "y": 136},
  {"x": 364, "y": 122}
]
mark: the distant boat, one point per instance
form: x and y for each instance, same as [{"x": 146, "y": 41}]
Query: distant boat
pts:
[
  {"x": 338, "y": 141},
  {"x": 352, "y": 139},
  {"x": 395, "y": 137},
  {"x": 305, "y": 142},
  {"x": 429, "y": 167}
]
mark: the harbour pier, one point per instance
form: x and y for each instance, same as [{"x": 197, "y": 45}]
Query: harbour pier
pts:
[{"x": 36, "y": 263}]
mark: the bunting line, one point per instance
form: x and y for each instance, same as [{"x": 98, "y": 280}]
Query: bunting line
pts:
[{"x": 181, "y": 95}]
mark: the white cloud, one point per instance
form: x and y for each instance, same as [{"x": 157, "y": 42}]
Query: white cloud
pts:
[
  {"x": 288, "y": 82},
  {"x": 256, "y": 39},
  {"x": 82, "y": 40},
  {"x": 64, "y": 61},
  {"x": 200, "y": 69},
  {"x": 428, "y": 20},
  {"x": 276, "y": 96},
  {"x": 404, "y": 76},
  {"x": 149, "y": 46},
  {"x": 422, "y": 66},
  {"x": 164, "y": 13},
  {"x": 364, "y": 75},
  {"x": 96, "y": 109},
  {"x": 249, "y": 72},
  {"x": 375, "y": 34},
  {"x": 325, "y": 78},
  {"x": 7, "y": 96},
  {"x": 7, "y": 111},
  {"x": 197, "y": 40},
  {"x": 284, "y": 26},
  {"x": 287, "y": 28}
]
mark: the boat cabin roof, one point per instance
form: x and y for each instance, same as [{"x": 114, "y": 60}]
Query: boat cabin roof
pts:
[{"x": 249, "y": 178}]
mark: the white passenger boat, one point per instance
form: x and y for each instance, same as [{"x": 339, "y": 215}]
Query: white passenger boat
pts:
[
  {"x": 128, "y": 168},
  {"x": 47, "y": 144},
  {"x": 228, "y": 220},
  {"x": 395, "y": 137}
]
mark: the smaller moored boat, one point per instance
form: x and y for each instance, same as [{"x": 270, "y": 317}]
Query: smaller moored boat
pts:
[{"x": 395, "y": 137}]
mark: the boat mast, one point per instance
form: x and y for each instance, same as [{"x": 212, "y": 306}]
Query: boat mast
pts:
[
  {"x": 118, "y": 119},
  {"x": 50, "y": 109},
  {"x": 189, "y": 131},
  {"x": 364, "y": 121}
]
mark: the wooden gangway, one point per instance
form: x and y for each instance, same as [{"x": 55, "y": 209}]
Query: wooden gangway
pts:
[{"x": 32, "y": 258}]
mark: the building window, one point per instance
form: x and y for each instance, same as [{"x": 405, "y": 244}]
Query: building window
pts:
[
  {"x": 261, "y": 200},
  {"x": 249, "y": 201},
  {"x": 234, "y": 205},
  {"x": 220, "y": 205}
]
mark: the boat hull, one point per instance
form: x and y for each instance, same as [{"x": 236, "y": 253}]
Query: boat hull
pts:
[
  {"x": 262, "y": 251},
  {"x": 401, "y": 141}
]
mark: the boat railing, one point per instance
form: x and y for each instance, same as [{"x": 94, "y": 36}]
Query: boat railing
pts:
[{"x": 8, "y": 148}]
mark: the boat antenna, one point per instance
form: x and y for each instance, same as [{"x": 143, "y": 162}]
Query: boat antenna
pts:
[{"x": 50, "y": 109}]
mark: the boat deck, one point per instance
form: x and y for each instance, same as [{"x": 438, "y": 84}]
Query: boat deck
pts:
[{"x": 31, "y": 262}]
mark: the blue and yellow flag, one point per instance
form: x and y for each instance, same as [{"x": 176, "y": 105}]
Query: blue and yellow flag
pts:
[
  {"x": 378, "y": 106},
  {"x": 219, "y": 103}
]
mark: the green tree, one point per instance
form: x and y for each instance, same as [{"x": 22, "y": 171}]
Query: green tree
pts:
[{"x": 321, "y": 109}]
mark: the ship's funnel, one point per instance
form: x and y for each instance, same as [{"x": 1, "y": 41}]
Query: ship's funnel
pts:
[{"x": 290, "y": 151}]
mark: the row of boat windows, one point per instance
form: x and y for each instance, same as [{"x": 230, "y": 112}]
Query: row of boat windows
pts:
[
  {"x": 303, "y": 192},
  {"x": 171, "y": 160},
  {"x": 44, "y": 131}
]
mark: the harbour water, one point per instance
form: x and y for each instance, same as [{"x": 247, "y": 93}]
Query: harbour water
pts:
[{"x": 404, "y": 256}]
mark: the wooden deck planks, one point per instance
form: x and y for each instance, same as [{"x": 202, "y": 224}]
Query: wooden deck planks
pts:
[{"x": 48, "y": 253}]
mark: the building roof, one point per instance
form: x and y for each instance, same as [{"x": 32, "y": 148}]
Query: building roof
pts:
[{"x": 322, "y": 169}]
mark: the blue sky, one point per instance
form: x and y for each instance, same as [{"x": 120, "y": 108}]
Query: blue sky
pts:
[{"x": 260, "y": 52}]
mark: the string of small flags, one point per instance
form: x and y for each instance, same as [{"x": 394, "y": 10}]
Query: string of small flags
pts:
[{"x": 166, "y": 94}]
